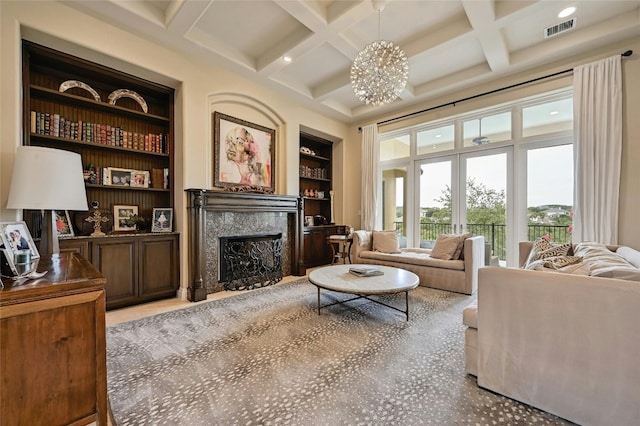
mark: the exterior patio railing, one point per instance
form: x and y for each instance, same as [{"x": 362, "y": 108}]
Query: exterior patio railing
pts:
[{"x": 495, "y": 233}]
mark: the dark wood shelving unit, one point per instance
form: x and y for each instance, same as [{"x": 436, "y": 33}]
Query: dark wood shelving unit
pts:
[
  {"x": 139, "y": 266},
  {"x": 316, "y": 250}
]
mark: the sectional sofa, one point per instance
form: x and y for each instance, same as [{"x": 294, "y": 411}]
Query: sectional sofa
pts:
[{"x": 567, "y": 343}]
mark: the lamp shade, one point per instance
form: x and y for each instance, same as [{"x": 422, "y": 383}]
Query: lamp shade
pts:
[{"x": 47, "y": 179}]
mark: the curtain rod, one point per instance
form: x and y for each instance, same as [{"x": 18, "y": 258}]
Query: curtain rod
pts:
[{"x": 453, "y": 103}]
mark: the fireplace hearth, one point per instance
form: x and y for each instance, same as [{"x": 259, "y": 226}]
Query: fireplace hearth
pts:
[{"x": 250, "y": 261}]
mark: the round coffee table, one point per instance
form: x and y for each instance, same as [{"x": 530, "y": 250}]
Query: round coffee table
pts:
[{"x": 337, "y": 278}]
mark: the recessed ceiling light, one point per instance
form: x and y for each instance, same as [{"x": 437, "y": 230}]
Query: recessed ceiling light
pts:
[
  {"x": 438, "y": 136},
  {"x": 287, "y": 58},
  {"x": 554, "y": 112},
  {"x": 566, "y": 12}
]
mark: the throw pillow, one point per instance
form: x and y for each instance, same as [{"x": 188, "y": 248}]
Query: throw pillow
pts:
[
  {"x": 544, "y": 249},
  {"x": 605, "y": 263},
  {"x": 459, "y": 254},
  {"x": 385, "y": 241},
  {"x": 630, "y": 255},
  {"x": 446, "y": 246}
]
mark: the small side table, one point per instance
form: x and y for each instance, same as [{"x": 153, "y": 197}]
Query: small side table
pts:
[{"x": 340, "y": 247}]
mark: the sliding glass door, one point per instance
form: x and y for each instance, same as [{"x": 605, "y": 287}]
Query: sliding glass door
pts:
[
  {"x": 464, "y": 193},
  {"x": 484, "y": 178}
]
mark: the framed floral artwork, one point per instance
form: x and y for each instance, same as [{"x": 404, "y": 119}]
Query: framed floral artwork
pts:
[{"x": 243, "y": 154}]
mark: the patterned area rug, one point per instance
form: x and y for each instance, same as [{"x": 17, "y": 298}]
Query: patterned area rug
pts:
[{"x": 266, "y": 357}]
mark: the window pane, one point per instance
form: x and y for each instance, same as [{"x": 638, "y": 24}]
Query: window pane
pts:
[
  {"x": 435, "y": 140},
  {"x": 550, "y": 192},
  {"x": 393, "y": 148},
  {"x": 547, "y": 118},
  {"x": 394, "y": 201},
  {"x": 435, "y": 201},
  {"x": 486, "y": 188},
  {"x": 490, "y": 129}
]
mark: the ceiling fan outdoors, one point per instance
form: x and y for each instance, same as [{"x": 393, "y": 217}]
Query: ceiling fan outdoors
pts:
[{"x": 480, "y": 140}]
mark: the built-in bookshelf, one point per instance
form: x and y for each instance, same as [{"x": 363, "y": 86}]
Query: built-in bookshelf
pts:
[
  {"x": 316, "y": 184},
  {"x": 315, "y": 176},
  {"x": 123, "y": 128}
]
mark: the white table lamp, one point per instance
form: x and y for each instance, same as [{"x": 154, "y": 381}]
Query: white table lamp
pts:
[{"x": 47, "y": 179}]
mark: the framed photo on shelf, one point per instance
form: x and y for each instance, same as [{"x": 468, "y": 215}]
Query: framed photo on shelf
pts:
[
  {"x": 162, "y": 220},
  {"x": 17, "y": 239},
  {"x": 308, "y": 220},
  {"x": 243, "y": 154},
  {"x": 124, "y": 217},
  {"x": 140, "y": 178},
  {"x": 63, "y": 224},
  {"x": 119, "y": 177}
]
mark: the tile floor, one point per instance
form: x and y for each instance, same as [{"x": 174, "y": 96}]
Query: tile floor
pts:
[{"x": 130, "y": 313}]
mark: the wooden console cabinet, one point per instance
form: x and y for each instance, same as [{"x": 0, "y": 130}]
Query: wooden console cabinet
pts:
[
  {"x": 53, "y": 350},
  {"x": 316, "y": 247}
]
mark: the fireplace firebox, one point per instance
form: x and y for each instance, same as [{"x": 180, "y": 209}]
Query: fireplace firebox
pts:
[{"x": 250, "y": 261}]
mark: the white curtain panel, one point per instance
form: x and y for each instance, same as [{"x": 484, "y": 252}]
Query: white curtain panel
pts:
[
  {"x": 597, "y": 118},
  {"x": 370, "y": 156}
]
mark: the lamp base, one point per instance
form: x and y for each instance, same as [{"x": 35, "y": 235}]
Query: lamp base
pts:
[{"x": 49, "y": 237}]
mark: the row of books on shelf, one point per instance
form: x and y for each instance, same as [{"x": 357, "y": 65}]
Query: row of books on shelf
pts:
[
  {"x": 44, "y": 123},
  {"x": 115, "y": 176},
  {"x": 314, "y": 172}
]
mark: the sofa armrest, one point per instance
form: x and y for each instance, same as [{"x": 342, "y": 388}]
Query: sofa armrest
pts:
[
  {"x": 524, "y": 248},
  {"x": 362, "y": 241},
  {"x": 473, "y": 260}
]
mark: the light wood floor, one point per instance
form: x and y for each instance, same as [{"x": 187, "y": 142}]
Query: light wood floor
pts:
[{"x": 116, "y": 316}]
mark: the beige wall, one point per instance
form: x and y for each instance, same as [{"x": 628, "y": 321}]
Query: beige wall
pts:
[
  {"x": 200, "y": 89},
  {"x": 629, "y": 230}
]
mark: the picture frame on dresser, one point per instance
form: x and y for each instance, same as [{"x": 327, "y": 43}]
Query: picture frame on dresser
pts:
[
  {"x": 7, "y": 267},
  {"x": 123, "y": 217},
  {"x": 243, "y": 154},
  {"x": 16, "y": 238}
]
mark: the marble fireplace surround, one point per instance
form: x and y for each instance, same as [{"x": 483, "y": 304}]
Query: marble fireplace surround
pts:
[{"x": 215, "y": 213}]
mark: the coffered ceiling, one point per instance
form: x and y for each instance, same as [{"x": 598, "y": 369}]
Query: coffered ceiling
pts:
[{"x": 450, "y": 44}]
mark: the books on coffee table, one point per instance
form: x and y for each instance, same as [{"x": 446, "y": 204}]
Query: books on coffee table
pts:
[{"x": 365, "y": 271}]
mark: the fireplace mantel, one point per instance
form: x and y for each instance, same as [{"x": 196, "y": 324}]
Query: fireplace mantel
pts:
[{"x": 203, "y": 201}]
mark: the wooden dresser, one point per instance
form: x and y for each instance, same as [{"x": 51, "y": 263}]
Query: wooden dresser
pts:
[{"x": 53, "y": 346}]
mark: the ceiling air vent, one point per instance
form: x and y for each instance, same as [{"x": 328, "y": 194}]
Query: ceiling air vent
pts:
[{"x": 560, "y": 28}]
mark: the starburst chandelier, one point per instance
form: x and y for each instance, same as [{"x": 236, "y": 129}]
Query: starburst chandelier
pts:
[{"x": 380, "y": 71}]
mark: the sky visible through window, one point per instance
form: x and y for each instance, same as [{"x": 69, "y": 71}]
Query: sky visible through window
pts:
[{"x": 550, "y": 177}]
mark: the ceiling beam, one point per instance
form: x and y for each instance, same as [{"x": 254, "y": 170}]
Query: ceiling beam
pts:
[{"x": 481, "y": 15}]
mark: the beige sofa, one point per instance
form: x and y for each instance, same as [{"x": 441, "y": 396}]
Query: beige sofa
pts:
[
  {"x": 567, "y": 344},
  {"x": 460, "y": 276}
]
